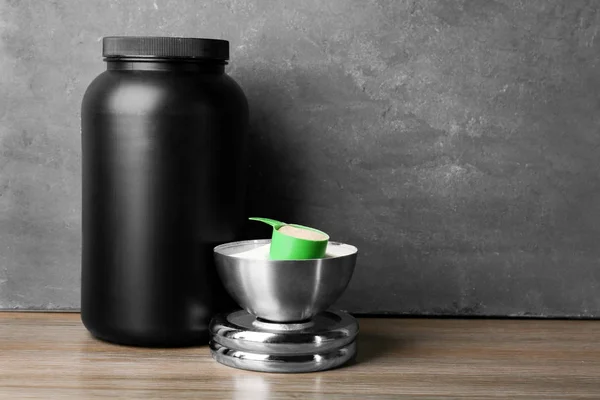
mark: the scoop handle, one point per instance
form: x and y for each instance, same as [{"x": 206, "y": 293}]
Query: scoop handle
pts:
[{"x": 275, "y": 224}]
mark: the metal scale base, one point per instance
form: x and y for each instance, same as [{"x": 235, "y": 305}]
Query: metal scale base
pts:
[{"x": 240, "y": 340}]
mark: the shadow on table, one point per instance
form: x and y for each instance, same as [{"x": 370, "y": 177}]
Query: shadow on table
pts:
[{"x": 373, "y": 346}]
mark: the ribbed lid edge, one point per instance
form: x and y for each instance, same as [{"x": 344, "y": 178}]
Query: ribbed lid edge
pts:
[{"x": 165, "y": 47}]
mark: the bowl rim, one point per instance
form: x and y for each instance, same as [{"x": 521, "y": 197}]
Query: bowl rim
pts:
[{"x": 218, "y": 250}]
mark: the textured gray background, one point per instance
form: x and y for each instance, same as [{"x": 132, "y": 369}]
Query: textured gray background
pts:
[{"x": 456, "y": 143}]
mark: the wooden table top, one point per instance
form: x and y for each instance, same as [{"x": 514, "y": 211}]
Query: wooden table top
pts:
[{"x": 51, "y": 355}]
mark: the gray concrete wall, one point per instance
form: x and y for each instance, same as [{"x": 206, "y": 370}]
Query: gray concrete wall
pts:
[{"x": 456, "y": 143}]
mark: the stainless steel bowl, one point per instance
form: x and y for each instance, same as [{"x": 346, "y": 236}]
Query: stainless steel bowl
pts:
[{"x": 284, "y": 290}]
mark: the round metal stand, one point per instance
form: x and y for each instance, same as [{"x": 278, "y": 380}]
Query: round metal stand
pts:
[{"x": 240, "y": 340}]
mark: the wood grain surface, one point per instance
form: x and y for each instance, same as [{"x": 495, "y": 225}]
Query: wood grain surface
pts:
[{"x": 51, "y": 355}]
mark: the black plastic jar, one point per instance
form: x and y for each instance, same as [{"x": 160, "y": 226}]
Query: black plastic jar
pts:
[{"x": 163, "y": 144}]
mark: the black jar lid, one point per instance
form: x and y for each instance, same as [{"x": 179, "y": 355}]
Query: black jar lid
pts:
[{"x": 165, "y": 47}]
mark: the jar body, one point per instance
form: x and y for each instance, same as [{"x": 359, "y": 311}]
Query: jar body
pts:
[{"x": 163, "y": 147}]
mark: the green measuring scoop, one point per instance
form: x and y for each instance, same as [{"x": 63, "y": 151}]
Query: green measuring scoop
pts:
[{"x": 295, "y": 242}]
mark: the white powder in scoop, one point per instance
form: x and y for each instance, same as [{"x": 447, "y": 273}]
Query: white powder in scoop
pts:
[
  {"x": 262, "y": 252},
  {"x": 302, "y": 233}
]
